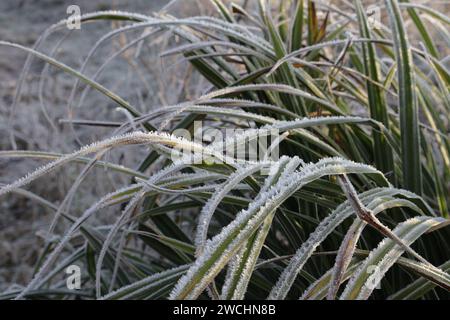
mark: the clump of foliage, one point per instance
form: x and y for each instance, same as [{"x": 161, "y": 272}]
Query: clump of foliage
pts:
[{"x": 360, "y": 193}]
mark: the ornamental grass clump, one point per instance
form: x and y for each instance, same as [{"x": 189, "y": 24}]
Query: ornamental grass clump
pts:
[{"x": 352, "y": 205}]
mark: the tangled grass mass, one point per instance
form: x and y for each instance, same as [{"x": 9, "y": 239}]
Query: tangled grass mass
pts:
[{"x": 347, "y": 198}]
